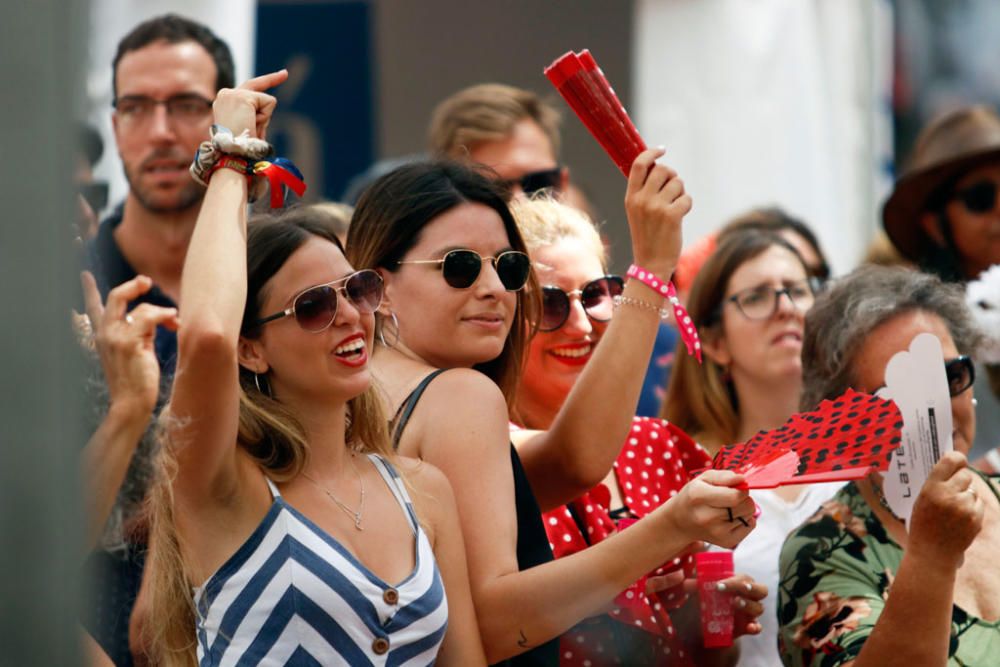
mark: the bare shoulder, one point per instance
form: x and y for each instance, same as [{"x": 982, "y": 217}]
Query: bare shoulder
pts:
[
  {"x": 431, "y": 493},
  {"x": 464, "y": 392}
]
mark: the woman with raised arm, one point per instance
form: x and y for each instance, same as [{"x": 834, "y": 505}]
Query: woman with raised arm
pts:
[
  {"x": 284, "y": 511},
  {"x": 453, "y": 326},
  {"x": 646, "y": 626}
]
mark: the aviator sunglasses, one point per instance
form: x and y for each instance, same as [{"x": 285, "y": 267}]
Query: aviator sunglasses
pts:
[
  {"x": 980, "y": 197},
  {"x": 461, "y": 267},
  {"x": 961, "y": 373},
  {"x": 534, "y": 181},
  {"x": 315, "y": 308},
  {"x": 596, "y": 297}
]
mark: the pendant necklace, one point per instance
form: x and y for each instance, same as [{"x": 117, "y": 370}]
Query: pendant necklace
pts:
[{"x": 354, "y": 514}]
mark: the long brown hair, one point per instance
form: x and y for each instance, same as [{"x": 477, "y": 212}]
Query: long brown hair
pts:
[
  {"x": 393, "y": 212},
  {"x": 268, "y": 432},
  {"x": 701, "y": 399}
]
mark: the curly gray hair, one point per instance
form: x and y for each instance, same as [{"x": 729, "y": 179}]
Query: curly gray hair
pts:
[{"x": 852, "y": 307}]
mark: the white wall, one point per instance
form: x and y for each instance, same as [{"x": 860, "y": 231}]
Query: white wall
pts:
[{"x": 769, "y": 102}]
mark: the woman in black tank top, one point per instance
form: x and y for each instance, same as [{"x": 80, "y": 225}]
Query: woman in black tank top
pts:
[{"x": 459, "y": 295}]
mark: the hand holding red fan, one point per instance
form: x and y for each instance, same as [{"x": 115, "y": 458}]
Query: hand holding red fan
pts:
[
  {"x": 840, "y": 440},
  {"x": 583, "y": 85}
]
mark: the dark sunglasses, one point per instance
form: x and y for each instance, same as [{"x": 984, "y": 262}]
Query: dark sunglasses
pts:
[
  {"x": 534, "y": 181},
  {"x": 961, "y": 373},
  {"x": 316, "y": 308},
  {"x": 461, "y": 268},
  {"x": 979, "y": 197},
  {"x": 596, "y": 297}
]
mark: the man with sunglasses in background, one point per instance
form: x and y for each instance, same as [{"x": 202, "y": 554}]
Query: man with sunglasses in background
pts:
[
  {"x": 511, "y": 130},
  {"x": 165, "y": 75},
  {"x": 944, "y": 214}
]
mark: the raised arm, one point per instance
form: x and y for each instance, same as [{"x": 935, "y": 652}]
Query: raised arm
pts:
[
  {"x": 578, "y": 449},
  {"x": 461, "y": 427},
  {"x": 204, "y": 404},
  {"x": 124, "y": 342}
]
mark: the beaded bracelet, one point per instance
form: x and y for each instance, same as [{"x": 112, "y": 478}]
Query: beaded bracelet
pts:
[
  {"x": 622, "y": 300},
  {"x": 684, "y": 324}
]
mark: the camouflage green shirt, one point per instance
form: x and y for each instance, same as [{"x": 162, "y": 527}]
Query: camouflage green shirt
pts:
[{"x": 836, "y": 571}]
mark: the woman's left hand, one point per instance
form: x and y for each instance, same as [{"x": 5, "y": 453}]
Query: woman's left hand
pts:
[{"x": 747, "y": 607}]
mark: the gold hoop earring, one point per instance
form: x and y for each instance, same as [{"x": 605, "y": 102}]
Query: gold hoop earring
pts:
[{"x": 395, "y": 327}]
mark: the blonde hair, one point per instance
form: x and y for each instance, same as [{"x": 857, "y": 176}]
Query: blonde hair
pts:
[
  {"x": 268, "y": 432},
  {"x": 544, "y": 221},
  {"x": 487, "y": 112}
]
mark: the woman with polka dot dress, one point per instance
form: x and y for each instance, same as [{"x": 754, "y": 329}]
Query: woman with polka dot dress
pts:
[{"x": 653, "y": 622}]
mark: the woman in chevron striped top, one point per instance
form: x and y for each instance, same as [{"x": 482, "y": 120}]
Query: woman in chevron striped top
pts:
[{"x": 280, "y": 505}]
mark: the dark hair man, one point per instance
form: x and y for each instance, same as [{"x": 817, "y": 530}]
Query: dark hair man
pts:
[{"x": 165, "y": 75}]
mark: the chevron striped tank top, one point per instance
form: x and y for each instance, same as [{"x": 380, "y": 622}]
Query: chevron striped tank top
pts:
[{"x": 292, "y": 595}]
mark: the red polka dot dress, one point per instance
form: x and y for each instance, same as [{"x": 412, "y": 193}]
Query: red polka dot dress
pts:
[{"x": 655, "y": 462}]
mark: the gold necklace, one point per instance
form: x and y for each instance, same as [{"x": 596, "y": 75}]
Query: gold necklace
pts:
[{"x": 354, "y": 514}]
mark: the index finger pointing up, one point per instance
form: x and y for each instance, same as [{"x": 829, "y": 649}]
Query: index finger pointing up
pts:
[{"x": 265, "y": 81}]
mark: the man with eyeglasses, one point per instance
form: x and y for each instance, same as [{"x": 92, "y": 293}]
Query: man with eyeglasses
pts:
[{"x": 165, "y": 75}]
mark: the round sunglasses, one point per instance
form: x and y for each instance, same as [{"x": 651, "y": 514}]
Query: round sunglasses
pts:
[
  {"x": 596, "y": 297},
  {"x": 315, "y": 308},
  {"x": 461, "y": 268}
]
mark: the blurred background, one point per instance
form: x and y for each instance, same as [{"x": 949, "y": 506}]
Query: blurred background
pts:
[
  {"x": 807, "y": 104},
  {"x": 799, "y": 103}
]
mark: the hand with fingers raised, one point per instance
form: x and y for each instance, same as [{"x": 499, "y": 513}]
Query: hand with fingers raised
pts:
[
  {"x": 125, "y": 342},
  {"x": 656, "y": 203},
  {"x": 248, "y": 107}
]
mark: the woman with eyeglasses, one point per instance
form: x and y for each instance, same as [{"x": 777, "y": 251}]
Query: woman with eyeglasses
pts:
[
  {"x": 283, "y": 529},
  {"x": 749, "y": 302},
  {"x": 652, "y": 623},
  {"x": 454, "y": 325},
  {"x": 858, "y": 585}
]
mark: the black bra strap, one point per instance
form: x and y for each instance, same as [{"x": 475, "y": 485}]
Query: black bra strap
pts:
[{"x": 402, "y": 415}]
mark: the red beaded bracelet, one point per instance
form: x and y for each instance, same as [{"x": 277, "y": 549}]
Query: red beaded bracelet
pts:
[{"x": 688, "y": 332}]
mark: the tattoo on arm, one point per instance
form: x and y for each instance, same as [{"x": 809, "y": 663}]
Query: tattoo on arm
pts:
[{"x": 522, "y": 641}]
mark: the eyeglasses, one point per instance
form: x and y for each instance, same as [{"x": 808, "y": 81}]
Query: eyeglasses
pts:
[
  {"x": 534, "y": 181},
  {"x": 187, "y": 108},
  {"x": 979, "y": 197},
  {"x": 596, "y": 297},
  {"x": 761, "y": 302},
  {"x": 461, "y": 268},
  {"x": 961, "y": 373},
  {"x": 316, "y": 308}
]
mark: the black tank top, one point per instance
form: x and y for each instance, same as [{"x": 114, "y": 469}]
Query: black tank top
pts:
[{"x": 532, "y": 542}]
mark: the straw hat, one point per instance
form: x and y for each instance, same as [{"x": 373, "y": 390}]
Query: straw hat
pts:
[{"x": 946, "y": 148}]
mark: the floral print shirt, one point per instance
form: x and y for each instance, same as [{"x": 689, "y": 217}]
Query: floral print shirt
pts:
[{"x": 836, "y": 572}]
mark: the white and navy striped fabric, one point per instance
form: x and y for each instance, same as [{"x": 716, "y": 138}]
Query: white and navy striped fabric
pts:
[{"x": 292, "y": 595}]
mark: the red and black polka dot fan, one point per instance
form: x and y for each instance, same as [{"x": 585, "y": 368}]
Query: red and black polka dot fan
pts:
[{"x": 840, "y": 440}]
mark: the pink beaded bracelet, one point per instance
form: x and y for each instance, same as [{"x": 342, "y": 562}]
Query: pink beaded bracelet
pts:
[{"x": 688, "y": 332}]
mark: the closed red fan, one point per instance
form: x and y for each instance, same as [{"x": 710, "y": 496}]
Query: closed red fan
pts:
[{"x": 840, "y": 440}]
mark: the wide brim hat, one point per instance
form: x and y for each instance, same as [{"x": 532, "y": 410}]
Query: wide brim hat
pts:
[{"x": 947, "y": 147}]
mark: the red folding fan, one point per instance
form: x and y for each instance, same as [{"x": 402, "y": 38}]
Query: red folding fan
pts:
[
  {"x": 840, "y": 440},
  {"x": 584, "y": 87}
]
